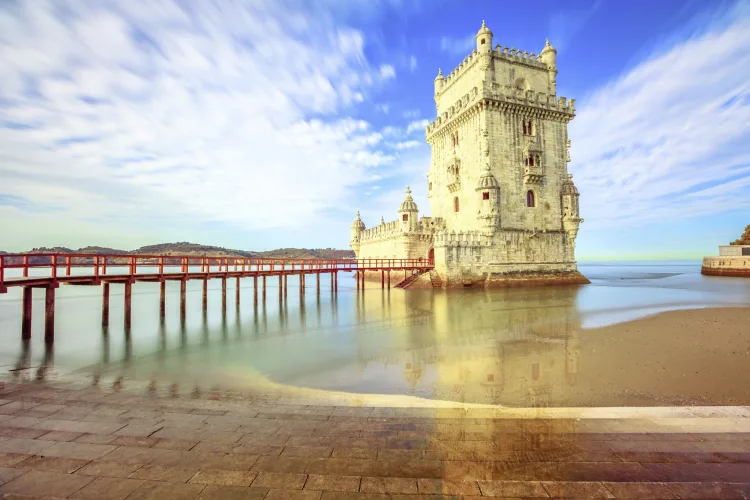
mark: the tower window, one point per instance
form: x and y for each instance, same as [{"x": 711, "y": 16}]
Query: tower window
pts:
[
  {"x": 527, "y": 127},
  {"x": 405, "y": 217},
  {"x": 490, "y": 377},
  {"x": 455, "y": 204},
  {"x": 530, "y": 198},
  {"x": 482, "y": 41},
  {"x": 486, "y": 195}
]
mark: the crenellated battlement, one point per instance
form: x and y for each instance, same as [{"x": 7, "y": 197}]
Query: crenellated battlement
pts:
[
  {"x": 509, "y": 54},
  {"x": 382, "y": 231},
  {"x": 503, "y": 94},
  {"x": 394, "y": 229}
]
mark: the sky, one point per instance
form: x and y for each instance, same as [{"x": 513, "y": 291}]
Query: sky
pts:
[{"x": 269, "y": 123}]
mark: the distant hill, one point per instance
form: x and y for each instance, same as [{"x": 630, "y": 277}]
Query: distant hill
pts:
[{"x": 185, "y": 248}]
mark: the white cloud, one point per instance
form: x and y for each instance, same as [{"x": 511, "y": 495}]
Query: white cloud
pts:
[
  {"x": 669, "y": 139},
  {"x": 383, "y": 108},
  {"x": 417, "y": 125},
  {"x": 387, "y": 72},
  {"x": 125, "y": 113},
  {"x": 407, "y": 145},
  {"x": 413, "y": 64},
  {"x": 458, "y": 46},
  {"x": 411, "y": 113}
]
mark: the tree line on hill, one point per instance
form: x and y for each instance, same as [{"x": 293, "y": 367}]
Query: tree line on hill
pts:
[
  {"x": 744, "y": 239},
  {"x": 189, "y": 249}
]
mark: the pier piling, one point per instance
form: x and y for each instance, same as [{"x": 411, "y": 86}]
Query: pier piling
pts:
[
  {"x": 162, "y": 299},
  {"x": 128, "y": 303},
  {"x": 105, "y": 304},
  {"x": 205, "y": 294},
  {"x": 26, "y": 321},
  {"x": 237, "y": 294},
  {"x": 224, "y": 294},
  {"x": 183, "y": 299}
]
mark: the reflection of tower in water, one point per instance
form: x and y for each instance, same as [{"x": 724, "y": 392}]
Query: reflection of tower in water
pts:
[{"x": 514, "y": 347}]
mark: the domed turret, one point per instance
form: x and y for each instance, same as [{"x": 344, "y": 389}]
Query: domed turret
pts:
[
  {"x": 548, "y": 56},
  {"x": 484, "y": 39},
  {"x": 571, "y": 220},
  {"x": 439, "y": 81},
  {"x": 408, "y": 212},
  {"x": 356, "y": 230},
  {"x": 487, "y": 180},
  {"x": 488, "y": 190}
]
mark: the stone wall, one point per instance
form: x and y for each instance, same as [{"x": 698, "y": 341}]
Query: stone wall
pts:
[{"x": 726, "y": 266}]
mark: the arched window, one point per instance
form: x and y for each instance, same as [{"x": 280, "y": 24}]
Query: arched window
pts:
[
  {"x": 530, "y": 198},
  {"x": 455, "y": 204}
]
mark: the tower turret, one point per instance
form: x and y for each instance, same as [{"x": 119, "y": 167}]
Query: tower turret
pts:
[
  {"x": 570, "y": 218},
  {"x": 549, "y": 57},
  {"x": 484, "y": 39},
  {"x": 408, "y": 213},
  {"x": 356, "y": 230},
  {"x": 488, "y": 191},
  {"x": 439, "y": 81}
]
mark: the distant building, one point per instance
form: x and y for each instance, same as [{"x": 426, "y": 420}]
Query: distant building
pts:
[
  {"x": 733, "y": 260},
  {"x": 503, "y": 206}
]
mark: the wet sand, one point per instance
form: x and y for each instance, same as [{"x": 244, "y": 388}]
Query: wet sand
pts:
[{"x": 689, "y": 357}]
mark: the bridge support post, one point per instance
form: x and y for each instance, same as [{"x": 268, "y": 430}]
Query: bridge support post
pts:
[
  {"x": 336, "y": 281},
  {"x": 389, "y": 278},
  {"x": 264, "y": 288},
  {"x": 363, "y": 280},
  {"x": 162, "y": 299},
  {"x": 286, "y": 283},
  {"x": 49, "y": 315},
  {"x": 382, "y": 279},
  {"x": 26, "y": 321},
  {"x": 333, "y": 278},
  {"x": 224, "y": 294},
  {"x": 255, "y": 289},
  {"x": 205, "y": 294},
  {"x": 302, "y": 283},
  {"x": 357, "y": 275},
  {"x": 183, "y": 298},
  {"x": 237, "y": 294},
  {"x": 317, "y": 283},
  {"x": 128, "y": 290},
  {"x": 282, "y": 287},
  {"x": 105, "y": 304}
]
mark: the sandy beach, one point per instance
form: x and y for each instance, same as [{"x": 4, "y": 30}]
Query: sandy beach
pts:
[{"x": 688, "y": 357}]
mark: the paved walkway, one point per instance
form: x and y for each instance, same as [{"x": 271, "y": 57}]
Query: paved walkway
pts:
[{"x": 84, "y": 442}]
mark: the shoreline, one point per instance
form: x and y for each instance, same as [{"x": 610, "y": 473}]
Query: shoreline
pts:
[{"x": 682, "y": 358}]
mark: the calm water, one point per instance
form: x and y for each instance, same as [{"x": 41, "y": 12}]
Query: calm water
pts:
[{"x": 516, "y": 347}]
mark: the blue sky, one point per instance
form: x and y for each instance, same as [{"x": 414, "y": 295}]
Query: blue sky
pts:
[{"x": 269, "y": 123}]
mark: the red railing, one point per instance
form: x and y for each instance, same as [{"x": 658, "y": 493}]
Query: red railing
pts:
[{"x": 101, "y": 265}]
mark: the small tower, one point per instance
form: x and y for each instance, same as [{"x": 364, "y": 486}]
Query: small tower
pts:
[
  {"x": 484, "y": 39},
  {"x": 439, "y": 81},
  {"x": 356, "y": 230},
  {"x": 439, "y": 84},
  {"x": 488, "y": 191},
  {"x": 570, "y": 218},
  {"x": 408, "y": 213},
  {"x": 549, "y": 57}
]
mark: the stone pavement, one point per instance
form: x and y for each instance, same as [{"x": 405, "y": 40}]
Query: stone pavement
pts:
[{"x": 84, "y": 442}]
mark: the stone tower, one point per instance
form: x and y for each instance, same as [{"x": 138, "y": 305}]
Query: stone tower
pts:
[
  {"x": 498, "y": 178},
  {"x": 355, "y": 233}
]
